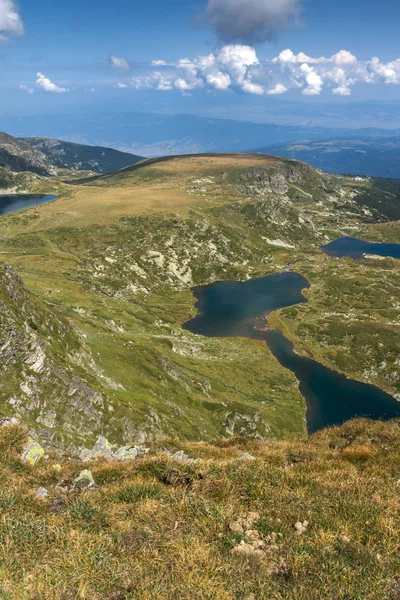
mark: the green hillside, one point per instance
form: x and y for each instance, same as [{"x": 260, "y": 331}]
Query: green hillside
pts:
[{"x": 117, "y": 256}]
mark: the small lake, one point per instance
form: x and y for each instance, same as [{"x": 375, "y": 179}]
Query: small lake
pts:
[
  {"x": 14, "y": 202},
  {"x": 231, "y": 308},
  {"x": 355, "y": 248}
]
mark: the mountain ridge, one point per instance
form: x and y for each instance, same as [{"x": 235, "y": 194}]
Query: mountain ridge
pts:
[
  {"x": 22, "y": 161},
  {"x": 366, "y": 156},
  {"x": 80, "y": 157}
]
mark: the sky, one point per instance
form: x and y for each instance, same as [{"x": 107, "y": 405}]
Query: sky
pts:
[{"x": 196, "y": 55}]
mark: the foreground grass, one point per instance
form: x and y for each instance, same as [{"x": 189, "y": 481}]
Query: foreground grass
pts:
[{"x": 159, "y": 529}]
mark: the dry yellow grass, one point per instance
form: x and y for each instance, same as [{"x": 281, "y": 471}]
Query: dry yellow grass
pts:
[
  {"x": 154, "y": 188},
  {"x": 160, "y": 529}
]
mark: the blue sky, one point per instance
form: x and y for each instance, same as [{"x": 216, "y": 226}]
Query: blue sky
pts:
[{"x": 57, "y": 55}]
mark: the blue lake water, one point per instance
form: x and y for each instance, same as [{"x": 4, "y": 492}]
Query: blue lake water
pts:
[
  {"x": 14, "y": 202},
  {"x": 355, "y": 248},
  {"x": 231, "y": 308}
]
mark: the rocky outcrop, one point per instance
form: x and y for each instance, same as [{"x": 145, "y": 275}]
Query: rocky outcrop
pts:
[
  {"x": 40, "y": 384},
  {"x": 17, "y": 156},
  {"x": 78, "y": 157}
]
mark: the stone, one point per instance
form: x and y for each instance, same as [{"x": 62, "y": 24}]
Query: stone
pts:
[
  {"x": 9, "y": 421},
  {"x": 236, "y": 527},
  {"x": 252, "y": 535},
  {"x": 244, "y": 525},
  {"x": 248, "y": 519},
  {"x": 42, "y": 493},
  {"x": 343, "y": 538},
  {"x": 32, "y": 452},
  {"x": 249, "y": 550},
  {"x": 301, "y": 527},
  {"x": 184, "y": 458},
  {"x": 246, "y": 456},
  {"x": 181, "y": 457},
  {"x": 102, "y": 448},
  {"x": 85, "y": 480},
  {"x": 85, "y": 454},
  {"x": 126, "y": 453}
]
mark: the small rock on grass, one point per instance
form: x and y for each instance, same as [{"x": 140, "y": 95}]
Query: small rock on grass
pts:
[
  {"x": 85, "y": 480},
  {"x": 301, "y": 527},
  {"x": 246, "y": 456},
  {"x": 32, "y": 452},
  {"x": 126, "y": 453},
  {"x": 9, "y": 421},
  {"x": 103, "y": 449},
  {"x": 42, "y": 493},
  {"x": 184, "y": 458}
]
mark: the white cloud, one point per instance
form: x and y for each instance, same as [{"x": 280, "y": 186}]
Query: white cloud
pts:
[
  {"x": 158, "y": 63},
  {"x": 10, "y": 20},
  {"x": 314, "y": 82},
  {"x": 278, "y": 89},
  {"x": 342, "y": 90},
  {"x": 121, "y": 85},
  {"x": 219, "y": 80},
  {"x": 237, "y": 67},
  {"x": 26, "y": 88},
  {"x": 344, "y": 57},
  {"x": 48, "y": 86},
  {"x": 119, "y": 63},
  {"x": 253, "y": 88},
  {"x": 250, "y": 20},
  {"x": 181, "y": 84}
]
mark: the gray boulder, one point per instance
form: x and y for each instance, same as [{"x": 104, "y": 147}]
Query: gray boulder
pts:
[
  {"x": 127, "y": 453},
  {"x": 85, "y": 480},
  {"x": 180, "y": 456},
  {"x": 32, "y": 452}
]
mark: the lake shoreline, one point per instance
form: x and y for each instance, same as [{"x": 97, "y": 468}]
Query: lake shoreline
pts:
[{"x": 228, "y": 309}]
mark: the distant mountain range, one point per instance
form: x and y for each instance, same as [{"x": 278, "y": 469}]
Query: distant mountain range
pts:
[
  {"x": 18, "y": 156},
  {"x": 80, "y": 157},
  {"x": 153, "y": 134},
  {"x": 22, "y": 159},
  {"x": 119, "y": 140},
  {"x": 368, "y": 156}
]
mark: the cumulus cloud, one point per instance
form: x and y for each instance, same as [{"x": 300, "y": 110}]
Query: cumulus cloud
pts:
[
  {"x": 119, "y": 63},
  {"x": 277, "y": 90},
  {"x": 154, "y": 81},
  {"x": 10, "y": 20},
  {"x": 250, "y": 21},
  {"x": 237, "y": 67},
  {"x": 158, "y": 63},
  {"x": 48, "y": 86}
]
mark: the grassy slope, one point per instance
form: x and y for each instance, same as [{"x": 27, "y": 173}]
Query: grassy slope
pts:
[
  {"x": 119, "y": 254},
  {"x": 157, "y": 529}
]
